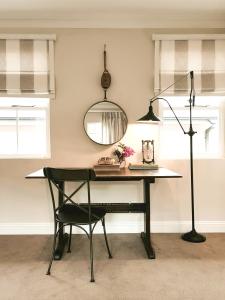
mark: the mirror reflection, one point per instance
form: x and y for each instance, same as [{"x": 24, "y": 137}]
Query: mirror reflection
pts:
[{"x": 105, "y": 123}]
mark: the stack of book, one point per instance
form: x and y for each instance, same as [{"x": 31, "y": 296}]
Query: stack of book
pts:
[{"x": 107, "y": 167}]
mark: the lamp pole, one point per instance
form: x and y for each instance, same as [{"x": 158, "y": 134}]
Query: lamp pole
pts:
[{"x": 192, "y": 236}]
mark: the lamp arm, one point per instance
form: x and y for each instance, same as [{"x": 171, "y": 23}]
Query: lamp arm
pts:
[
  {"x": 160, "y": 98},
  {"x": 191, "y": 73}
]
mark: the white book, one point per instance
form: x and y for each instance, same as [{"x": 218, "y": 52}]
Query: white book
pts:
[{"x": 141, "y": 166}]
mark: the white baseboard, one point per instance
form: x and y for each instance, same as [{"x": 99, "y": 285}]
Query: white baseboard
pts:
[{"x": 119, "y": 227}]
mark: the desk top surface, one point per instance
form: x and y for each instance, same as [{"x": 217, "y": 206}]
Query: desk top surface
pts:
[{"x": 123, "y": 174}]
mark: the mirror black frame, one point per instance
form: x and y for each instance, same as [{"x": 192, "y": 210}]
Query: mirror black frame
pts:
[{"x": 108, "y": 101}]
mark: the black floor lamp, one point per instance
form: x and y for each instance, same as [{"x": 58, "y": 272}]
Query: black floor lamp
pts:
[{"x": 192, "y": 236}]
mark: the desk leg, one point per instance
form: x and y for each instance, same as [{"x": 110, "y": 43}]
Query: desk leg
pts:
[
  {"x": 62, "y": 237},
  {"x": 146, "y": 235}
]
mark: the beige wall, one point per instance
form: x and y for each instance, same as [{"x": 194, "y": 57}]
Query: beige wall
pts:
[{"x": 78, "y": 68}]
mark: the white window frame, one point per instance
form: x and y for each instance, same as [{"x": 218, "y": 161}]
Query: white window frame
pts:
[
  {"x": 221, "y": 151},
  {"x": 31, "y": 156}
]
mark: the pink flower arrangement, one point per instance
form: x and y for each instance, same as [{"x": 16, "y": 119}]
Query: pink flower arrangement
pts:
[{"x": 123, "y": 151}]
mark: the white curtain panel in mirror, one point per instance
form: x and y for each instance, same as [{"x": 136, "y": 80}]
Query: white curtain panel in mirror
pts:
[{"x": 114, "y": 125}]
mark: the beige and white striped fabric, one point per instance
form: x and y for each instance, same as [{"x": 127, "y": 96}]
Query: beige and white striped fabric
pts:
[
  {"x": 26, "y": 66},
  {"x": 206, "y": 57}
]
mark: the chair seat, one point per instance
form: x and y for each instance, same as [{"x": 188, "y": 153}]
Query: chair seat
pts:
[{"x": 69, "y": 213}]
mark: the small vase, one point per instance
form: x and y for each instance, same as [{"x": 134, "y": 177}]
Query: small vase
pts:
[{"x": 122, "y": 163}]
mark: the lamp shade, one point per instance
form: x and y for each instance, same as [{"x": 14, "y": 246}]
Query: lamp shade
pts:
[{"x": 149, "y": 117}]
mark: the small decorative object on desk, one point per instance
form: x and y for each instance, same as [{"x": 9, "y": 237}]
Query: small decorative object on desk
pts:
[
  {"x": 148, "y": 152},
  {"x": 148, "y": 159},
  {"x": 106, "y": 161},
  {"x": 122, "y": 152},
  {"x": 107, "y": 164}
]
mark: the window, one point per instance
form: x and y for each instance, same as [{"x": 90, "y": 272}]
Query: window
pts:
[
  {"x": 94, "y": 130},
  {"x": 24, "y": 128},
  {"x": 27, "y": 82},
  {"x": 175, "y": 56},
  {"x": 208, "y": 142}
]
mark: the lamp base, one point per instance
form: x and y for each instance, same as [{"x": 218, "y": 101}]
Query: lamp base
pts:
[{"x": 193, "y": 237}]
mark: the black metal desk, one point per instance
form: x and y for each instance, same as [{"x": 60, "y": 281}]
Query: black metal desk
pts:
[{"x": 148, "y": 177}]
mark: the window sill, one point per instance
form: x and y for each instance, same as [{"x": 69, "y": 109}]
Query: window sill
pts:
[{"x": 194, "y": 158}]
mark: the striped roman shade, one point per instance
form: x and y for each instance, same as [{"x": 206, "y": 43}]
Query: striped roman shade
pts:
[
  {"x": 27, "y": 65},
  {"x": 176, "y": 55}
]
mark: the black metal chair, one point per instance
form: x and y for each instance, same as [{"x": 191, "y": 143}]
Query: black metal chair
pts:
[{"x": 71, "y": 213}]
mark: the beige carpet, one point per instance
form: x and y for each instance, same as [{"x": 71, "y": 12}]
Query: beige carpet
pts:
[{"x": 181, "y": 270}]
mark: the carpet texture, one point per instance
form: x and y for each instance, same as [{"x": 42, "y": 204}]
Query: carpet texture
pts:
[{"x": 181, "y": 270}]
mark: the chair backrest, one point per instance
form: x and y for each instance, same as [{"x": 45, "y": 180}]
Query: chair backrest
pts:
[{"x": 57, "y": 176}]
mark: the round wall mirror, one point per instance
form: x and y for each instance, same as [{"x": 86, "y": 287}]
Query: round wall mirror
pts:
[{"x": 105, "y": 123}]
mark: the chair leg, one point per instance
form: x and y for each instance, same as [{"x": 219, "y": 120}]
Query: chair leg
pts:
[
  {"x": 69, "y": 245},
  {"x": 91, "y": 254},
  {"x": 53, "y": 250},
  {"x": 106, "y": 240}
]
